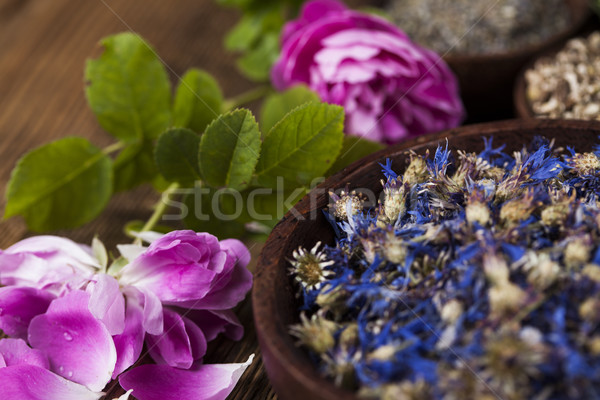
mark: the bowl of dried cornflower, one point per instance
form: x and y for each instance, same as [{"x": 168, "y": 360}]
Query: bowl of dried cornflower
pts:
[
  {"x": 463, "y": 265},
  {"x": 562, "y": 84},
  {"x": 487, "y": 43}
]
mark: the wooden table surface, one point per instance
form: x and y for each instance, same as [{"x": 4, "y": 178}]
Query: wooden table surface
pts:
[{"x": 43, "y": 47}]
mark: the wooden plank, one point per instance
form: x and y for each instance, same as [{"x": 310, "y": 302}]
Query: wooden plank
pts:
[{"x": 44, "y": 46}]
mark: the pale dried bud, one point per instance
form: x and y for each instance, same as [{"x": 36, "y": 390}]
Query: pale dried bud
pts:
[
  {"x": 532, "y": 336},
  {"x": 589, "y": 310},
  {"x": 406, "y": 390},
  {"x": 517, "y": 210},
  {"x": 555, "y": 214},
  {"x": 477, "y": 212},
  {"x": 451, "y": 311},
  {"x": 594, "y": 345},
  {"x": 349, "y": 336},
  {"x": 577, "y": 252},
  {"x": 371, "y": 247},
  {"x": 494, "y": 173},
  {"x": 592, "y": 271},
  {"x": 585, "y": 163},
  {"x": 394, "y": 203},
  {"x": 416, "y": 172},
  {"x": 315, "y": 333},
  {"x": 506, "y": 298},
  {"x": 544, "y": 273},
  {"x": 333, "y": 300},
  {"x": 496, "y": 269},
  {"x": 394, "y": 249},
  {"x": 383, "y": 353}
]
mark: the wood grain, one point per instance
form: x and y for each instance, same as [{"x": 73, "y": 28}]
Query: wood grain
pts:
[{"x": 44, "y": 45}]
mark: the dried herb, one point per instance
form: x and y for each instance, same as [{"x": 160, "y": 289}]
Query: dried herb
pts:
[
  {"x": 567, "y": 84},
  {"x": 477, "y": 276},
  {"x": 479, "y": 27}
]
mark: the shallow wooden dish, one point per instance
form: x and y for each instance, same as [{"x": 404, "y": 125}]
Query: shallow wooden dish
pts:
[{"x": 275, "y": 306}]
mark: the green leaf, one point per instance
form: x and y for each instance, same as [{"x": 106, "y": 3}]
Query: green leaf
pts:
[
  {"x": 198, "y": 101},
  {"x": 201, "y": 215},
  {"x": 62, "y": 184},
  {"x": 277, "y": 105},
  {"x": 129, "y": 90},
  {"x": 256, "y": 63},
  {"x": 176, "y": 155},
  {"x": 134, "y": 166},
  {"x": 302, "y": 146},
  {"x": 244, "y": 34},
  {"x": 353, "y": 149},
  {"x": 229, "y": 150}
]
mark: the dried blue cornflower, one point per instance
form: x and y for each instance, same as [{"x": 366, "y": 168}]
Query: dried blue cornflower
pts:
[{"x": 476, "y": 276}]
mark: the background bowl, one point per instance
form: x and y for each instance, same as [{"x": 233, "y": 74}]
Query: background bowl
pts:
[
  {"x": 521, "y": 104},
  {"x": 486, "y": 80},
  {"x": 275, "y": 305}
]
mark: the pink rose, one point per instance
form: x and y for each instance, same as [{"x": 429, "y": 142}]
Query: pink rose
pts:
[
  {"x": 390, "y": 87},
  {"x": 192, "y": 270},
  {"x": 88, "y": 325}
]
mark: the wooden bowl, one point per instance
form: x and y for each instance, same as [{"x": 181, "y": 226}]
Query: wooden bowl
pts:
[
  {"x": 521, "y": 104},
  {"x": 275, "y": 305},
  {"x": 486, "y": 80}
]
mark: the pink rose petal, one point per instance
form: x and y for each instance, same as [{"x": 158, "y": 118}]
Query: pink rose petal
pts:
[
  {"x": 107, "y": 303},
  {"x": 130, "y": 342},
  {"x": 17, "y": 352},
  {"x": 18, "y": 305},
  {"x": 162, "y": 382},
  {"x": 181, "y": 343},
  {"x": 79, "y": 347},
  {"x": 30, "y": 382},
  {"x": 45, "y": 260},
  {"x": 214, "y": 322}
]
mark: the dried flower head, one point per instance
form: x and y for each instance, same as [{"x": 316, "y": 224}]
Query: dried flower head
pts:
[
  {"x": 577, "y": 252},
  {"x": 584, "y": 163},
  {"x": 542, "y": 271},
  {"x": 394, "y": 202},
  {"x": 346, "y": 204},
  {"x": 309, "y": 267},
  {"x": 512, "y": 362},
  {"x": 519, "y": 209},
  {"x": 315, "y": 333},
  {"x": 406, "y": 390},
  {"x": 417, "y": 171}
]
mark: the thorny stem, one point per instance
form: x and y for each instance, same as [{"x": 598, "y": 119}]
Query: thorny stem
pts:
[
  {"x": 159, "y": 210},
  {"x": 247, "y": 97}
]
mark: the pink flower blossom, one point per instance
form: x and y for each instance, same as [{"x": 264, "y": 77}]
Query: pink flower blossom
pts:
[
  {"x": 390, "y": 87},
  {"x": 91, "y": 325}
]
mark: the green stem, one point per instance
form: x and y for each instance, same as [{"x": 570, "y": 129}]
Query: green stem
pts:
[
  {"x": 159, "y": 210},
  {"x": 113, "y": 147},
  {"x": 247, "y": 97}
]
